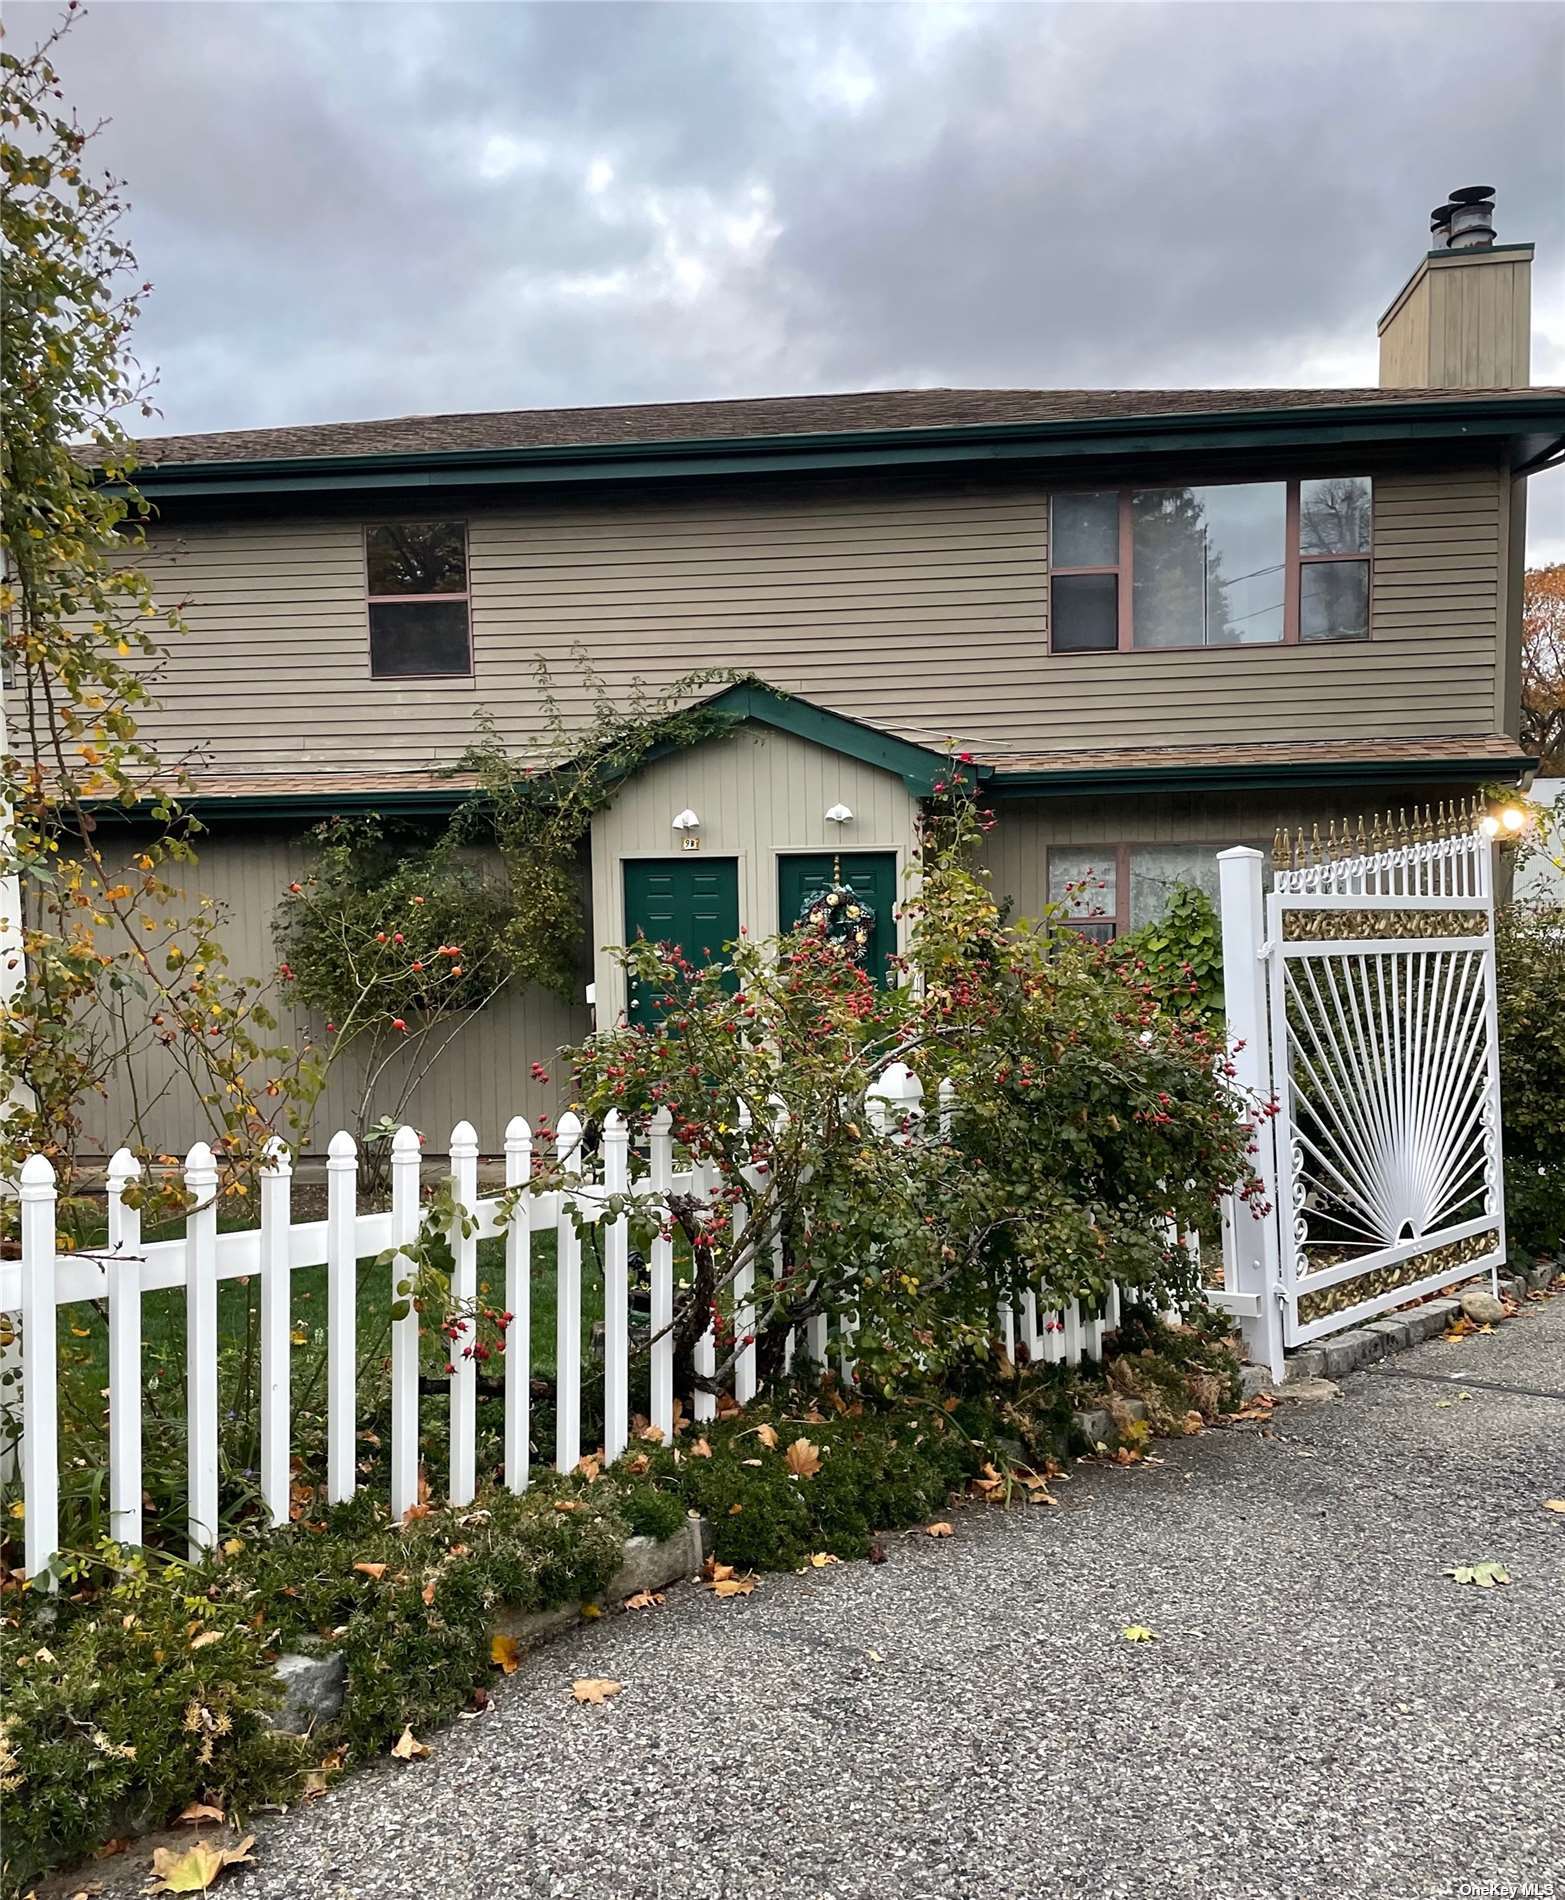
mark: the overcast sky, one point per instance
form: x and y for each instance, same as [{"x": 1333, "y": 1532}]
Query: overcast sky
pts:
[{"x": 373, "y": 209}]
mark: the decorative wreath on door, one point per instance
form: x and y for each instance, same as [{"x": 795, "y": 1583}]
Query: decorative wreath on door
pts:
[{"x": 840, "y": 915}]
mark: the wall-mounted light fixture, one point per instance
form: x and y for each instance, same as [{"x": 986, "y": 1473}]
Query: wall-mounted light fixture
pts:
[
  {"x": 839, "y": 815},
  {"x": 686, "y": 820}
]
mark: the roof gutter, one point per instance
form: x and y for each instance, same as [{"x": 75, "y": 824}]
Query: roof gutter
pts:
[{"x": 1480, "y": 418}]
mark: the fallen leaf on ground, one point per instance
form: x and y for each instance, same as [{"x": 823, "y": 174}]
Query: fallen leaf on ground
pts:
[
  {"x": 1194, "y": 1423},
  {"x": 1554, "y": 1504},
  {"x": 111, "y": 1848},
  {"x": 193, "y": 1869},
  {"x": 505, "y": 1652},
  {"x": 428, "y": 1593},
  {"x": 377, "y": 1571},
  {"x": 756, "y": 1462},
  {"x": 938, "y": 1530},
  {"x": 1138, "y": 1633},
  {"x": 989, "y": 1483},
  {"x": 804, "y": 1458},
  {"x": 734, "y": 1587},
  {"x": 590, "y": 1610},
  {"x": 567, "y": 1504},
  {"x": 407, "y": 1746},
  {"x": 821, "y": 1558},
  {"x": 206, "y": 1636},
  {"x": 595, "y": 1689},
  {"x": 651, "y": 1434},
  {"x": 638, "y": 1465},
  {"x": 644, "y": 1600},
  {"x": 768, "y": 1436},
  {"x": 1485, "y": 1575},
  {"x": 701, "y": 1449},
  {"x": 200, "y": 1811}
]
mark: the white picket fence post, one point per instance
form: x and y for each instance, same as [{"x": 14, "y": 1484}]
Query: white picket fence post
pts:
[
  {"x": 660, "y": 1174},
  {"x": 40, "y": 1366},
  {"x": 519, "y": 1304},
  {"x": 703, "y": 1184},
  {"x": 342, "y": 1293},
  {"x": 464, "y": 1305},
  {"x": 404, "y": 1331},
  {"x": 124, "y": 1276},
  {"x": 567, "y": 1279},
  {"x": 276, "y": 1328},
  {"x": 1243, "y": 912},
  {"x": 744, "y": 1301},
  {"x": 201, "y": 1346},
  {"x": 616, "y": 1291}
]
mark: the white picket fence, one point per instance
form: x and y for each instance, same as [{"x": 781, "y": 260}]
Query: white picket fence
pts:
[{"x": 125, "y": 1271}]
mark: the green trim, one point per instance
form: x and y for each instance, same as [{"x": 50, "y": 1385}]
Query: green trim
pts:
[
  {"x": 315, "y": 804},
  {"x": 1341, "y": 425},
  {"x": 1254, "y": 777},
  {"x": 752, "y": 703}
]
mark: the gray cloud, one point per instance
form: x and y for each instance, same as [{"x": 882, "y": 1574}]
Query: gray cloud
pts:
[{"x": 371, "y": 209}]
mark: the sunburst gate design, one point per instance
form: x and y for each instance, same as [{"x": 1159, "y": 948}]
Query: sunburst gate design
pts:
[
  {"x": 1382, "y": 996},
  {"x": 1388, "y": 1080}
]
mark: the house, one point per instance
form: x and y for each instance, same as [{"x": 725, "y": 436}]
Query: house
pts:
[{"x": 1161, "y": 621}]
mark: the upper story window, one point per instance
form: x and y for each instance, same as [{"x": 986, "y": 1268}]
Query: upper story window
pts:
[
  {"x": 1230, "y": 564},
  {"x": 418, "y": 599}
]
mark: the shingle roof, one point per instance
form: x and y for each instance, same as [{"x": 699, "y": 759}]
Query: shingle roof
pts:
[
  {"x": 1479, "y": 752},
  {"x": 866, "y": 411},
  {"x": 1490, "y": 748}
]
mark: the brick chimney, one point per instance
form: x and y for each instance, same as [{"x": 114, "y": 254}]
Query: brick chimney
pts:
[{"x": 1463, "y": 320}]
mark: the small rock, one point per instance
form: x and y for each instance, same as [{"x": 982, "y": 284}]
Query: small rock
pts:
[
  {"x": 1481, "y": 1307},
  {"x": 313, "y": 1688},
  {"x": 1309, "y": 1391}
]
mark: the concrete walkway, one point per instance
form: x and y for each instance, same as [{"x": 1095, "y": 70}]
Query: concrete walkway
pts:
[{"x": 1323, "y": 1712}]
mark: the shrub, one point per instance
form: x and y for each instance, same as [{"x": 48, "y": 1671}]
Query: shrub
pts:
[
  {"x": 1180, "y": 954},
  {"x": 1530, "y": 953},
  {"x": 1087, "y": 1118}
]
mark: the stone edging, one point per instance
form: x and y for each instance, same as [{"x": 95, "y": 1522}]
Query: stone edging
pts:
[{"x": 315, "y": 1687}]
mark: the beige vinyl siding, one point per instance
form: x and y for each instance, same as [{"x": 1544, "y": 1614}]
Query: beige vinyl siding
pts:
[
  {"x": 922, "y": 611},
  {"x": 483, "y": 1076},
  {"x": 1015, "y": 853},
  {"x": 1463, "y": 321},
  {"x": 759, "y": 794}
]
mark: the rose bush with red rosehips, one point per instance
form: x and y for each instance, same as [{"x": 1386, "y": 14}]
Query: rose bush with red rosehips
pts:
[{"x": 1086, "y": 1119}]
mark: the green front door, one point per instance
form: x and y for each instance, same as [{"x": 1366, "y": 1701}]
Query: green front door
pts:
[
  {"x": 872, "y": 876},
  {"x": 692, "y": 902}
]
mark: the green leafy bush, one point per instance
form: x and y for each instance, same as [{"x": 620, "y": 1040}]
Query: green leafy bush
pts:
[
  {"x": 1530, "y": 952},
  {"x": 1181, "y": 954}
]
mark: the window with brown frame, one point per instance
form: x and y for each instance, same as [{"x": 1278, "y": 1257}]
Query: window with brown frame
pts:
[
  {"x": 1106, "y": 890},
  {"x": 1227, "y": 564},
  {"x": 418, "y": 599}
]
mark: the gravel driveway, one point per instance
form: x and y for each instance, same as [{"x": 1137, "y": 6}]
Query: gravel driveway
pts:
[{"x": 1323, "y": 1712}]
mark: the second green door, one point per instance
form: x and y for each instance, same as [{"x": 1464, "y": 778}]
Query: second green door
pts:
[{"x": 872, "y": 876}]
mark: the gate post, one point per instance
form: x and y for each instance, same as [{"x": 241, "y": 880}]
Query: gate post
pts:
[{"x": 1245, "y": 994}]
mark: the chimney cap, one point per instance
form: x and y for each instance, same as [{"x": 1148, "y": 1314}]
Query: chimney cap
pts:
[{"x": 1472, "y": 194}]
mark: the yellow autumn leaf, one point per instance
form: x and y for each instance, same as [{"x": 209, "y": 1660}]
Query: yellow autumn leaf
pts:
[
  {"x": 505, "y": 1652},
  {"x": 193, "y": 1869},
  {"x": 734, "y": 1587},
  {"x": 938, "y": 1530},
  {"x": 1554, "y": 1504},
  {"x": 206, "y": 1636},
  {"x": 407, "y": 1746},
  {"x": 595, "y": 1689},
  {"x": 1137, "y": 1633},
  {"x": 804, "y": 1458},
  {"x": 821, "y": 1558}
]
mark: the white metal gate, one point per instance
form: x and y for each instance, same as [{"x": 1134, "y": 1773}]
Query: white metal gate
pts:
[{"x": 1374, "y": 1042}]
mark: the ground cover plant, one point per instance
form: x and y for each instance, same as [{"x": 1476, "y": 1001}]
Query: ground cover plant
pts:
[{"x": 146, "y": 1683}]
